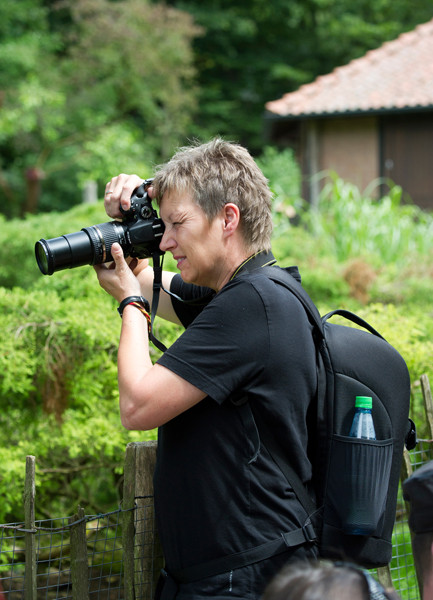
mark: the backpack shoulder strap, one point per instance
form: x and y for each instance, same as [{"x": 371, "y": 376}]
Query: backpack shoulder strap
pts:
[{"x": 283, "y": 276}]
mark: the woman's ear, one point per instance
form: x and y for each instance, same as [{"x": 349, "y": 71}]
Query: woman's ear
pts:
[{"x": 231, "y": 217}]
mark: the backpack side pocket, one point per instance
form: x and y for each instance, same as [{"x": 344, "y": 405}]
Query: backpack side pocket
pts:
[{"x": 357, "y": 486}]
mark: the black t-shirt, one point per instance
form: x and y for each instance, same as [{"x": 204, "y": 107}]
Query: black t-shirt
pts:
[{"x": 217, "y": 491}]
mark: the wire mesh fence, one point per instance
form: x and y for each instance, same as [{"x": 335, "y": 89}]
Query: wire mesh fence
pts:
[
  {"x": 104, "y": 568},
  {"x": 53, "y": 558}
]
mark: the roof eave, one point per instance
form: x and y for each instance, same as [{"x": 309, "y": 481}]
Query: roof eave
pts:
[{"x": 270, "y": 116}]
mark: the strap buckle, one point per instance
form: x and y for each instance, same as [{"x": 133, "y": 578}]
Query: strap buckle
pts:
[
  {"x": 302, "y": 535},
  {"x": 309, "y": 531}
]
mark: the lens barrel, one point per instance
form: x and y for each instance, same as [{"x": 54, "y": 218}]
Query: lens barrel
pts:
[{"x": 90, "y": 246}]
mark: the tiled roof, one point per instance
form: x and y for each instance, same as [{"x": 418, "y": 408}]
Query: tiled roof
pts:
[{"x": 397, "y": 75}]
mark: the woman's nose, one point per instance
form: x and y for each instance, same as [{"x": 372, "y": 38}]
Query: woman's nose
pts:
[{"x": 166, "y": 242}]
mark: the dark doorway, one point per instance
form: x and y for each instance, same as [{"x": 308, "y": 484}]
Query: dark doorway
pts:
[{"x": 407, "y": 155}]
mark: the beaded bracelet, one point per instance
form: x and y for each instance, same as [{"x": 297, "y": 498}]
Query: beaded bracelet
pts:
[
  {"x": 139, "y": 302},
  {"x": 144, "y": 312}
]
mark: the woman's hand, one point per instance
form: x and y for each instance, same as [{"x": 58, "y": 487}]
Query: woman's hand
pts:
[
  {"x": 118, "y": 192},
  {"x": 118, "y": 278}
]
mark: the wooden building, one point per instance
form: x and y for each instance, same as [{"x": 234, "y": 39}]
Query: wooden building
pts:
[{"x": 369, "y": 120}]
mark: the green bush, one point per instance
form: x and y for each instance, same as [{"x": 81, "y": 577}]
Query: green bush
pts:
[
  {"x": 58, "y": 398},
  {"x": 18, "y": 265},
  {"x": 58, "y": 376}
]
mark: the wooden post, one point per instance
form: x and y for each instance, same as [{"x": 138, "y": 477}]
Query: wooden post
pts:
[
  {"x": 30, "y": 586},
  {"x": 384, "y": 577},
  {"x": 128, "y": 529},
  {"x": 90, "y": 192},
  {"x": 428, "y": 403},
  {"x": 142, "y": 551},
  {"x": 79, "y": 561},
  {"x": 147, "y": 544},
  {"x": 313, "y": 165}
]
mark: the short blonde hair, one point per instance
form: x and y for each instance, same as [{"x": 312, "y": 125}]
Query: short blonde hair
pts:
[{"x": 215, "y": 174}]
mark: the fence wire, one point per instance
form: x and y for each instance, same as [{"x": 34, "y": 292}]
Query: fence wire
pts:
[
  {"x": 104, "y": 538},
  {"x": 53, "y": 560}
]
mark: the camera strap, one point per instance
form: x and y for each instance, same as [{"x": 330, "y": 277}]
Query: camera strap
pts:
[{"x": 157, "y": 285}]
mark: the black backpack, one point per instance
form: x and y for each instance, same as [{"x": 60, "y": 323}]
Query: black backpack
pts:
[{"x": 354, "y": 479}]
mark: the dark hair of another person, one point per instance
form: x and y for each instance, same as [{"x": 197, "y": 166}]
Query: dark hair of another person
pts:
[{"x": 325, "y": 581}]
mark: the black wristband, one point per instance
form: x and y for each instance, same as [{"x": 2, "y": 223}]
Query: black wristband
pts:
[{"x": 130, "y": 300}]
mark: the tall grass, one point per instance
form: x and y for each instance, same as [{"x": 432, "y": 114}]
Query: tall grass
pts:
[
  {"x": 284, "y": 175},
  {"x": 347, "y": 222},
  {"x": 354, "y": 224}
]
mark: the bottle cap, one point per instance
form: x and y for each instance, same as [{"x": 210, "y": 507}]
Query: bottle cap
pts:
[{"x": 363, "y": 402}]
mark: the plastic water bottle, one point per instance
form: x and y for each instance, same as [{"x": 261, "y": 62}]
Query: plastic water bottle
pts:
[
  {"x": 359, "y": 516},
  {"x": 362, "y": 424}
]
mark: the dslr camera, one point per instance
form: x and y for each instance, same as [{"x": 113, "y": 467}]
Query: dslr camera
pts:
[{"x": 139, "y": 234}]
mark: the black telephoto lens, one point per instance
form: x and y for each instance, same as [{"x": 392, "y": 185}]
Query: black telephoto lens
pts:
[{"x": 90, "y": 246}]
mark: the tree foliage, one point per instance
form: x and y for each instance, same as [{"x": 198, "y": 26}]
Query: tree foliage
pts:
[
  {"x": 254, "y": 51},
  {"x": 89, "y": 88}
]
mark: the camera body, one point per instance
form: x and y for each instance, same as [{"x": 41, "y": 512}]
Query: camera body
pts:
[
  {"x": 139, "y": 234},
  {"x": 143, "y": 228}
]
